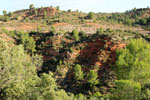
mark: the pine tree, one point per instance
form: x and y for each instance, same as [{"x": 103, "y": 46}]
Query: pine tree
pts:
[
  {"x": 78, "y": 73},
  {"x": 90, "y": 15},
  {"x": 75, "y": 34},
  {"x": 31, "y": 6},
  {"x": 4, "y": 12},
  {"x": 127, "y": 90},
  {"x": 134, "y": 62},
  {"x": 92, "y": 78}
]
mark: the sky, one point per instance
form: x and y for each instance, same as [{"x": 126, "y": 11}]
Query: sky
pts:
[{"x": 81, "y": 5}]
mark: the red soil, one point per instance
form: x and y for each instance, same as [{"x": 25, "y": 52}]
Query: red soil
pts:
[
  {"x": 49, "y": 11},
  {"x": 100, "y": 52}
]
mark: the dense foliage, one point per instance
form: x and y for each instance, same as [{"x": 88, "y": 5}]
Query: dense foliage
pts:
[
  {"x": 19, "y": 80},
  {"x": 133, "y": 62}
]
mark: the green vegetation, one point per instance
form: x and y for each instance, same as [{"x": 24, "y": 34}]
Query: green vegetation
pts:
[
  {"x": 92, "y": 78},
  {"x": 4, "y": 12},
  {"x": 90, "y": 15},
  {"x": 50, "y": 54},
  {"x": 134, "y": 61},
  {"x": 78, "y": 72},
  {"x": 127, "y": 90},
  {"x": 100, "y": 31},
  {"x": 75, "y": 34},
  {"x": 31, "y": 6}
]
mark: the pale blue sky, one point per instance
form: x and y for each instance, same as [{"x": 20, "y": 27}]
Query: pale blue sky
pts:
[{"x": 81, "y": 5}]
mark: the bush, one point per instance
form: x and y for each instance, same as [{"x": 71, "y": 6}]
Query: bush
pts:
[
  {"x": 82, "y": 34},
  {"x": 2, "y": 18},
  {"x": 7, "y": 18},
  {"x": 53, "y": 29},
  {"x": 26, "y": 19}
]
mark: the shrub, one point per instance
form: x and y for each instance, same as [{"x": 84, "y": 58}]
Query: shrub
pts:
[
  {"x": 2, "y": 18},
  {"x": 7, "y": 18},
  {"x": 53, "y": 29},
  {"x": 99, "y": 31},
  {"x": 82, "y": 34},
  {"x": 11, "y": 14}
]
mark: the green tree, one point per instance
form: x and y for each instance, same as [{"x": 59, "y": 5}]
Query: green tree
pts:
[
  {"x": 133, "y": 62},
  {"x": 11, "y": 14},
  {"x": 58, "y": 7},
  {"x": 127, "y": 90},
  {"x": 134, "y": 9},
  {"x": 75, "y": 34},
  {"x": 46, "y": 89},
  {"x": 37, "y": 61},
  {"x": 92, "y": 78},
  {"x": 31, "y": 6},
  {"x": 128, "y": 22},
  {"x": 45, "y": 14},
  {"x": 143, "y": 21},
  {"x": 90, "y": 15},
  {"x": 78, "y": 73},
  {"x": 4, "y": 12},
  {"x": 27, "y": 41},
  {"x": 69, "y": 10},
  {"x": 35, "y": 12},
  {"x": 16, "y": 72},
  {"x": 19, "y": 81}
]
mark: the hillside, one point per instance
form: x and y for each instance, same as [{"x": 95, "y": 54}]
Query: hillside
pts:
[
  {"x": 50, "y": 54},
  {"x": 44, "y": 18}
]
